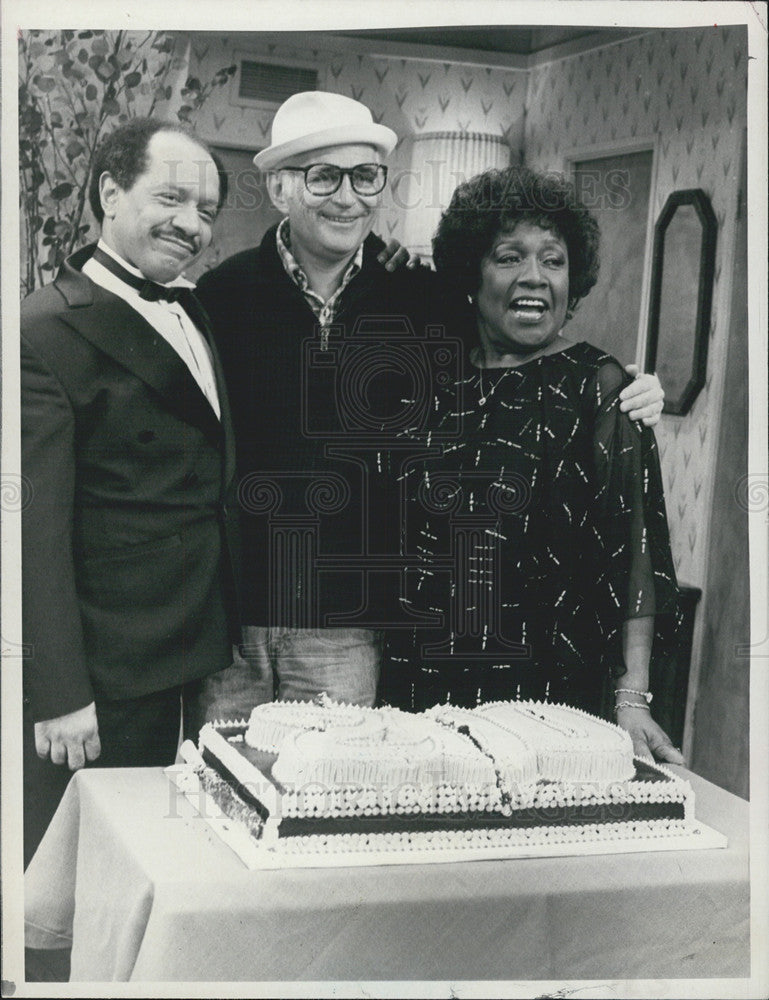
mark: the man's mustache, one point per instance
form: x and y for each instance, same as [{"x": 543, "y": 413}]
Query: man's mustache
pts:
[{"x": 192, "y": 244}]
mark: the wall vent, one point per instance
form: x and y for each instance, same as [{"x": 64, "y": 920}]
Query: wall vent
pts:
[{"x": 268, "y": 83}]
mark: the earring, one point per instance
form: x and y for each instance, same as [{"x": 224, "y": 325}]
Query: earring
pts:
[{"x": 470, "y": 299}]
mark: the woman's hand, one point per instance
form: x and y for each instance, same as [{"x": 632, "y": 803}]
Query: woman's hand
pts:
[
  {"x": 649, "y": 740},
  {"x": 393, "y": 255},
  {"x": 643, "y": 399}
]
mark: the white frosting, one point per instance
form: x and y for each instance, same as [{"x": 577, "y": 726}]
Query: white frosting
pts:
[
  {"x": 389, "y": 752},
  {"x": 475, "y": 840},
  {"x": 570, "y": 745},
  {"x": 345, "y": 761},
  {"x": 270, "y": 725},
  {"x": 513, "y": 757},
  {"x": 371, "y": 800}
]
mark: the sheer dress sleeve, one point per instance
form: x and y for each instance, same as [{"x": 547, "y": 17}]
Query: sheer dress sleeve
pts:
[{"x": 638, "y": 578}]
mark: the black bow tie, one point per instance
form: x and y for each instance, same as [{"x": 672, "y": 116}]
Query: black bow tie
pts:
[{"x": 149, "y": 290}]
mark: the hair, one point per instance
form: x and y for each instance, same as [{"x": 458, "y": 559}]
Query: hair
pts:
[
  {"x": 123, "y": 155},
  {"x": 498, "y": 200}
]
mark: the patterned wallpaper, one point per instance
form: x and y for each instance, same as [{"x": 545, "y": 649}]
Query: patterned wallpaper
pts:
[{"x": 688, "y": 88}]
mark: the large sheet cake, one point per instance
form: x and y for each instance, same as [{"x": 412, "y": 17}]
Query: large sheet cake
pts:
[{"x": 302, "y": 782}]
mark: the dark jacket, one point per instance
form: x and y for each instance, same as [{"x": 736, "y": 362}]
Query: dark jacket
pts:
[
  {"x": 319, "y": 432},
  {"x": 129, "y": 557}
]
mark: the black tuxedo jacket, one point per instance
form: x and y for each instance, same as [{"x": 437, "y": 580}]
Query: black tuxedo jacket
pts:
[{"x": 129, "y": 539}]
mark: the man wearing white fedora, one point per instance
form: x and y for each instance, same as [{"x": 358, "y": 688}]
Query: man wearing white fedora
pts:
[{"x": 328, "y": 358}]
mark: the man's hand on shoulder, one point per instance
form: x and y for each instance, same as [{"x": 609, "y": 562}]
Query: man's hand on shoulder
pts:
[
  {"x": 394, "y": 256},
  {"x": 69, "y": 739},
  {"x": 643, "y": 399}
]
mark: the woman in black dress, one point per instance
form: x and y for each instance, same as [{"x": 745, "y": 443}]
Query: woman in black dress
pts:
[{"x": 537, "y": 509}]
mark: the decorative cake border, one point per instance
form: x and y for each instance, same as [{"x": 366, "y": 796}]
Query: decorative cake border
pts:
[
  {"x": 430, "y": 847},
  {"x": 350, "y": 801}
]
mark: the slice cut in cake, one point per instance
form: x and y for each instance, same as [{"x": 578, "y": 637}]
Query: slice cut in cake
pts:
[{"x": 570, "y": 745}]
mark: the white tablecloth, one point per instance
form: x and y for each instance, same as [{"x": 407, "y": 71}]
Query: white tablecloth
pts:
[{"x": 136, "y": 881}]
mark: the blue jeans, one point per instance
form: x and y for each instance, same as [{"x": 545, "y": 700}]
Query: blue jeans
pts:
[{"x": 294, "y": 665}]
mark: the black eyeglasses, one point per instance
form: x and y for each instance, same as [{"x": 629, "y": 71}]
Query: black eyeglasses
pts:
[{"x": 323, "y": 179}]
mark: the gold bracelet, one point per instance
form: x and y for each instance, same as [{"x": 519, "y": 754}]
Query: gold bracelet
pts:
[
  {"x": 641, "y": 694},
  {"x": 632, "y": 704}
]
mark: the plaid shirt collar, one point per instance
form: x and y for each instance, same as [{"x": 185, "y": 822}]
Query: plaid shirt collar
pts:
[{"x": 324, "y": 310}]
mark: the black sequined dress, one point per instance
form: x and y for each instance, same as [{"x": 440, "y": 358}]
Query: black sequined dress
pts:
[{"x": 537, "y": 529}]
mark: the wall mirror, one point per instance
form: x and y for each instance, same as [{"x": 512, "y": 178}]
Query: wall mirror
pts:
[{"x": 681, "y": 296}]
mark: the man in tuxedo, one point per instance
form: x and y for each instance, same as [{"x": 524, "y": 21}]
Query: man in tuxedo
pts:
[{"x": 129, "y": 549}]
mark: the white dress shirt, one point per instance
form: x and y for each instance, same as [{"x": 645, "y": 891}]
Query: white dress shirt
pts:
[{"x": 168, "y": 318}]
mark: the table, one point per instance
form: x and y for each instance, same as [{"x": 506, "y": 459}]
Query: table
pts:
[{"x": 136, "y": 881}]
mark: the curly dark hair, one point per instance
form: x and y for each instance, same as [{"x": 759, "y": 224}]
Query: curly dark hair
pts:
[
  {"x": 123, "y": 155},
  {"x": 498, "y": 200}
]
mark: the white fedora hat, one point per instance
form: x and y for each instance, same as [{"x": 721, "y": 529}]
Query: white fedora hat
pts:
[{"x": 316, "y": 119}]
